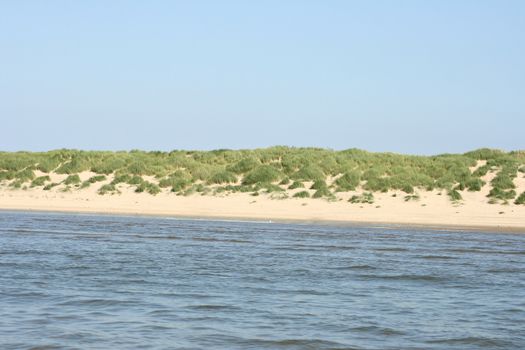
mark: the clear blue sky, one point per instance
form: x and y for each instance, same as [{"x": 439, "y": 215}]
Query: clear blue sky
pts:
[{"x": 420, "y": 77}]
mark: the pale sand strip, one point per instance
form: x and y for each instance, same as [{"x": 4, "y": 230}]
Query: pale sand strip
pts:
[{"x": 431, "y": 210}]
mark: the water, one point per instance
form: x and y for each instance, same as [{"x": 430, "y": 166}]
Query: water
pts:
[{"x": 101, "y": 282}]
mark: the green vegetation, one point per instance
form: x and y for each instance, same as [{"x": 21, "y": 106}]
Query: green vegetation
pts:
[
  {"x": 72, "y": 180},
  {"x": 92, "y": 180},
  {"x": 269, "y": 188},
  {"x": 96, "y": 178},
  {"x": 474, "y": 184},
  {"x": 107, "y": 189},
  {"x": 25, "y": 175},
  {"x": 323, "y": 192},
  {"x": 412, "y": 197},
  {"x": 503, "y": 184},
  {"x": 40, "y": 181},
  {"x": 285, "y": 181},
  {"x": 302, "y": 194},
  {"x": 148, "y": 187},
  {"x": 50, "y": 186},
  {"x": 367, "y": 198},
  {"x": 296, "y": 184},
  {"x": 271, "y": 170},
  {"x": 319, "y": 185},
  {"x": 348, "y": 182},
  {"x": 497, "y": 193},
  {"x": 520, "y": 199},
  {"x": 454, "y": 195},
  {"x": 261, "y": 174},
  {"x": 223, "y": 177},
  {"x": 310, "y": 172}
]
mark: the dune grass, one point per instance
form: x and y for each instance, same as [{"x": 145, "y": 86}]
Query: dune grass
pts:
[
  {"x": 222, "y": 177},
  {"x": 280, "y": 166},
  {"x": 40, "y": 181},
  {"x": 296, "y": 184},
  {"x": 521, "y": 199},
  {"x": 261, "y": 174},
  {"x": 72, "y": 180},
  {"x": 107, "y": 189},
  {"x": 364, "y": 198},
  {"x": 302, "y": 194}
]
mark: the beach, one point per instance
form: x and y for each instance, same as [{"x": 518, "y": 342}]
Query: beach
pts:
[{"x": 431, "y": 209}]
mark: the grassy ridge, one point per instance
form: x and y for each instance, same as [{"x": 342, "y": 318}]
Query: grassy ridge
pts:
[{"x": 270, "y": 170}]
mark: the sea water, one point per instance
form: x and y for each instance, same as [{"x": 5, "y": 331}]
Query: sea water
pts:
[{"x": 109, "y": 282}]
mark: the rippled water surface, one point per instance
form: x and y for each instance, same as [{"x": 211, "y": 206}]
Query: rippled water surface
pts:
[{"x": 101, "y": 282}]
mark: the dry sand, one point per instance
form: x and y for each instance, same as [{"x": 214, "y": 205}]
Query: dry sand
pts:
[{"x": 432, "y": 209}]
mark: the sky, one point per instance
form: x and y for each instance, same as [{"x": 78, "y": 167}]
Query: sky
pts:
[{"x": 418, "y": 77}]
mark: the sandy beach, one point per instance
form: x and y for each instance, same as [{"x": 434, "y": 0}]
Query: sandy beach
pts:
[{"x": 431, "y": 209}]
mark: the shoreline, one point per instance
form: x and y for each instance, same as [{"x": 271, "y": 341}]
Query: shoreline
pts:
[
  {"x": 431, "y": 210},
  {"x": 489, "y": 229}
]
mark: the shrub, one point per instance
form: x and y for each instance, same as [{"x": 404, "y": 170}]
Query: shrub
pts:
[
  {"x": 244, "y": 165},
  {"x": 199, "y": 171},
  {"x": 179, "y": 184},
  {"x": 25, "y": 175},
  {"x": 92, "y": 180},
  {"x": 138, "y": 168},
  {"x": 348, "y": 182},
  {"x": 73, "y": 166},
  {"x": 7, "y": 175},
  {"x": 498, "y": 193},
  {"x": 96, "y": 178},
  {"x": 261, "y": 174},
  {"x": 412, "y": 197},
  {"x": 366, "y": 198},
  {"x": 40, "y": 181},
  {"x": 176, "y": 179},
  {"x": 223, "y": 177},
  {"x": 149, "y": 187},
  {"x": 72, "y": 180},
  {"x": 296, "y": 184},
  {"x": 123, "y": 178},
  {"x": 285, "y": 181},
  {"x": 454, "y": 195},
  {"x": 309, "y": 173},
  {"x": 407, "y": 188},
  {"x": 322, "y": 192},
  {"x": 318, "y": 185},
  {"x": 107, "y": 188},
  {"x": 200, "y": 188},
  {"x": 47, "y": 165},
  {"x": 520, "y": 199},
  {"x": 135, "y": 180},
  {"x": 16, "y": 184},
  {"x": 474, "y": 184},
  {"x": 380, "y": 184},
  {"x": 50, "y": 186},
  {"x": 108, "y": 165},
  {"x": 481, "y": 171},
  {"x": 272, "y": 188},
  {"x": 302, "y": 194},
  {"x": 503, "y": 181}
]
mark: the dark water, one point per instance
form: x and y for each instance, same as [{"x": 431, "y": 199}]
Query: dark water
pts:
[{"x": 101, "y": 282}]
